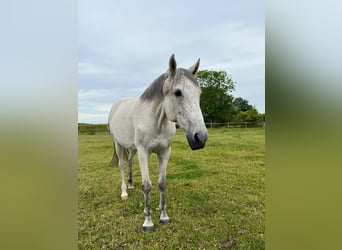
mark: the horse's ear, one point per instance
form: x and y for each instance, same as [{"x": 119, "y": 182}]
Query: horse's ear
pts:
[
  {"x": 194, "y": 68},
  {"x": 172, "y": 65}
]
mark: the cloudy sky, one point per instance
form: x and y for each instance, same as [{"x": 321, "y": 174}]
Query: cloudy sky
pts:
[{"x": 125, "y": 45}]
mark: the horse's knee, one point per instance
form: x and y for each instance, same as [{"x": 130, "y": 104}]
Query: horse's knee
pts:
[
  {"x": 162, "y": 186},
  {"x": 146, "y": 187}
]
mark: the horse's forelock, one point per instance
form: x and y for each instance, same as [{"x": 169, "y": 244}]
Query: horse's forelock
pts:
[{"x": 187, "y": 74}]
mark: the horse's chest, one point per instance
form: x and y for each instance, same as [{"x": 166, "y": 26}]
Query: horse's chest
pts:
[
  {"x": 154, "y": 141},
  {"x": 149, "y": 136},
  {"x": 159, "y": 142}
]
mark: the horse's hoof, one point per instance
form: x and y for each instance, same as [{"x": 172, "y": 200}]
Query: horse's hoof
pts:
[
  {"x": 125, "y": 197},
  {"x": 164, "y": 221},
  {"x": 131, "y": 187},
  {"x": 148, "y": 229}
]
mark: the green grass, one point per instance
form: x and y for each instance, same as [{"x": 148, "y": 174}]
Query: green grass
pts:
[{"x": 215, "y": 196}]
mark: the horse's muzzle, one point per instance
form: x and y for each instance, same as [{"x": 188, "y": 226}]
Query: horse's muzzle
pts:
[{"x": 197, "y": 140}]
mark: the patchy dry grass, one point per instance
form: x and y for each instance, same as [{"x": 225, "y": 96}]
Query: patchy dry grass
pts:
[{"x": 215, "y": 196}]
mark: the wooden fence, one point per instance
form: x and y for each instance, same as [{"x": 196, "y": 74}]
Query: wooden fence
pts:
[
  {"x": 91, "y": 129},
  {"x": 236, "y": 124}
]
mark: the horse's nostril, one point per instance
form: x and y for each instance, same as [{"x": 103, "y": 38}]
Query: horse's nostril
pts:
[
  {"x": 196, "y": 137},
  {"x": 197, "y": 140}
]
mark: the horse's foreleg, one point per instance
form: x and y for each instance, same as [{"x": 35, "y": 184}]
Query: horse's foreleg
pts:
[
  {"x": 146, "y": 187},
  {"x": 163, "y": 160},
  {"x": 120, "y": 152},
  {"x": 130, "y": 164}
]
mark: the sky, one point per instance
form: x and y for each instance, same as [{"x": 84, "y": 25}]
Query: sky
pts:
[{"x": 125, "y": 45}]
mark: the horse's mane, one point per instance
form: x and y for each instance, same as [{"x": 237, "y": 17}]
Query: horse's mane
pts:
[{"x": 155, "y": 90}]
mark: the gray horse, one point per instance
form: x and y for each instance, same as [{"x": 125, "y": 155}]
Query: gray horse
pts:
[{"x": 147, "y": 125}]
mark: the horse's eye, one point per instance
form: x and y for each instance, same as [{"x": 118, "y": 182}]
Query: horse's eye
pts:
[{"x": 178, "y": 93}]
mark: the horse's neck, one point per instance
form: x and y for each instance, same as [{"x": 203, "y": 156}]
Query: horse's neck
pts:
[{"x": 159, "y": 113}]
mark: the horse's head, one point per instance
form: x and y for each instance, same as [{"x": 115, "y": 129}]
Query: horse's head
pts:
[{"x": 182, "y": 102}]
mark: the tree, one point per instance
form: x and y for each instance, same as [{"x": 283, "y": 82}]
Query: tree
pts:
[
  {"x": 218, "y": 105},
  {"x": 241, "y": 104},
  {"x": 216, "y": 102},
  {"x": 250, "y": 115},
  {"x": 218, "y": 79}
]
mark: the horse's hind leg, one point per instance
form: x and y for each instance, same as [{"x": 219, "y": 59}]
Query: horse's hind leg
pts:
[
  {"x": 130, "y": 164},
  {"x": 120, "y": 153}
]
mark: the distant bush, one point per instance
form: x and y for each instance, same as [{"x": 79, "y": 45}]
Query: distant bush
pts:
[{"x": 91, "y": 129}]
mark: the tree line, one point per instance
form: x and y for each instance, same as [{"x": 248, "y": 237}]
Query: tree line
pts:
[{"x": 218, "y": 104}]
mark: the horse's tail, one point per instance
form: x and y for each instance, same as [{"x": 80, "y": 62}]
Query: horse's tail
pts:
[{"x": 115, "y": 160}]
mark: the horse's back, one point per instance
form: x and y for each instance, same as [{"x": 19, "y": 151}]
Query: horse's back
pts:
[{"x": 120, "y": 122}]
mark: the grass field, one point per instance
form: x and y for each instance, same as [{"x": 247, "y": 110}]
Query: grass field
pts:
[{"x": 215, "y": 197}]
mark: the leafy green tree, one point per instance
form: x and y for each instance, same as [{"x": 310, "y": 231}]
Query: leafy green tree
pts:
[
  {"x": 241, "y": 104},
  {"x": 216, "y": 102},
  {"x": 250, "y": 115}
]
